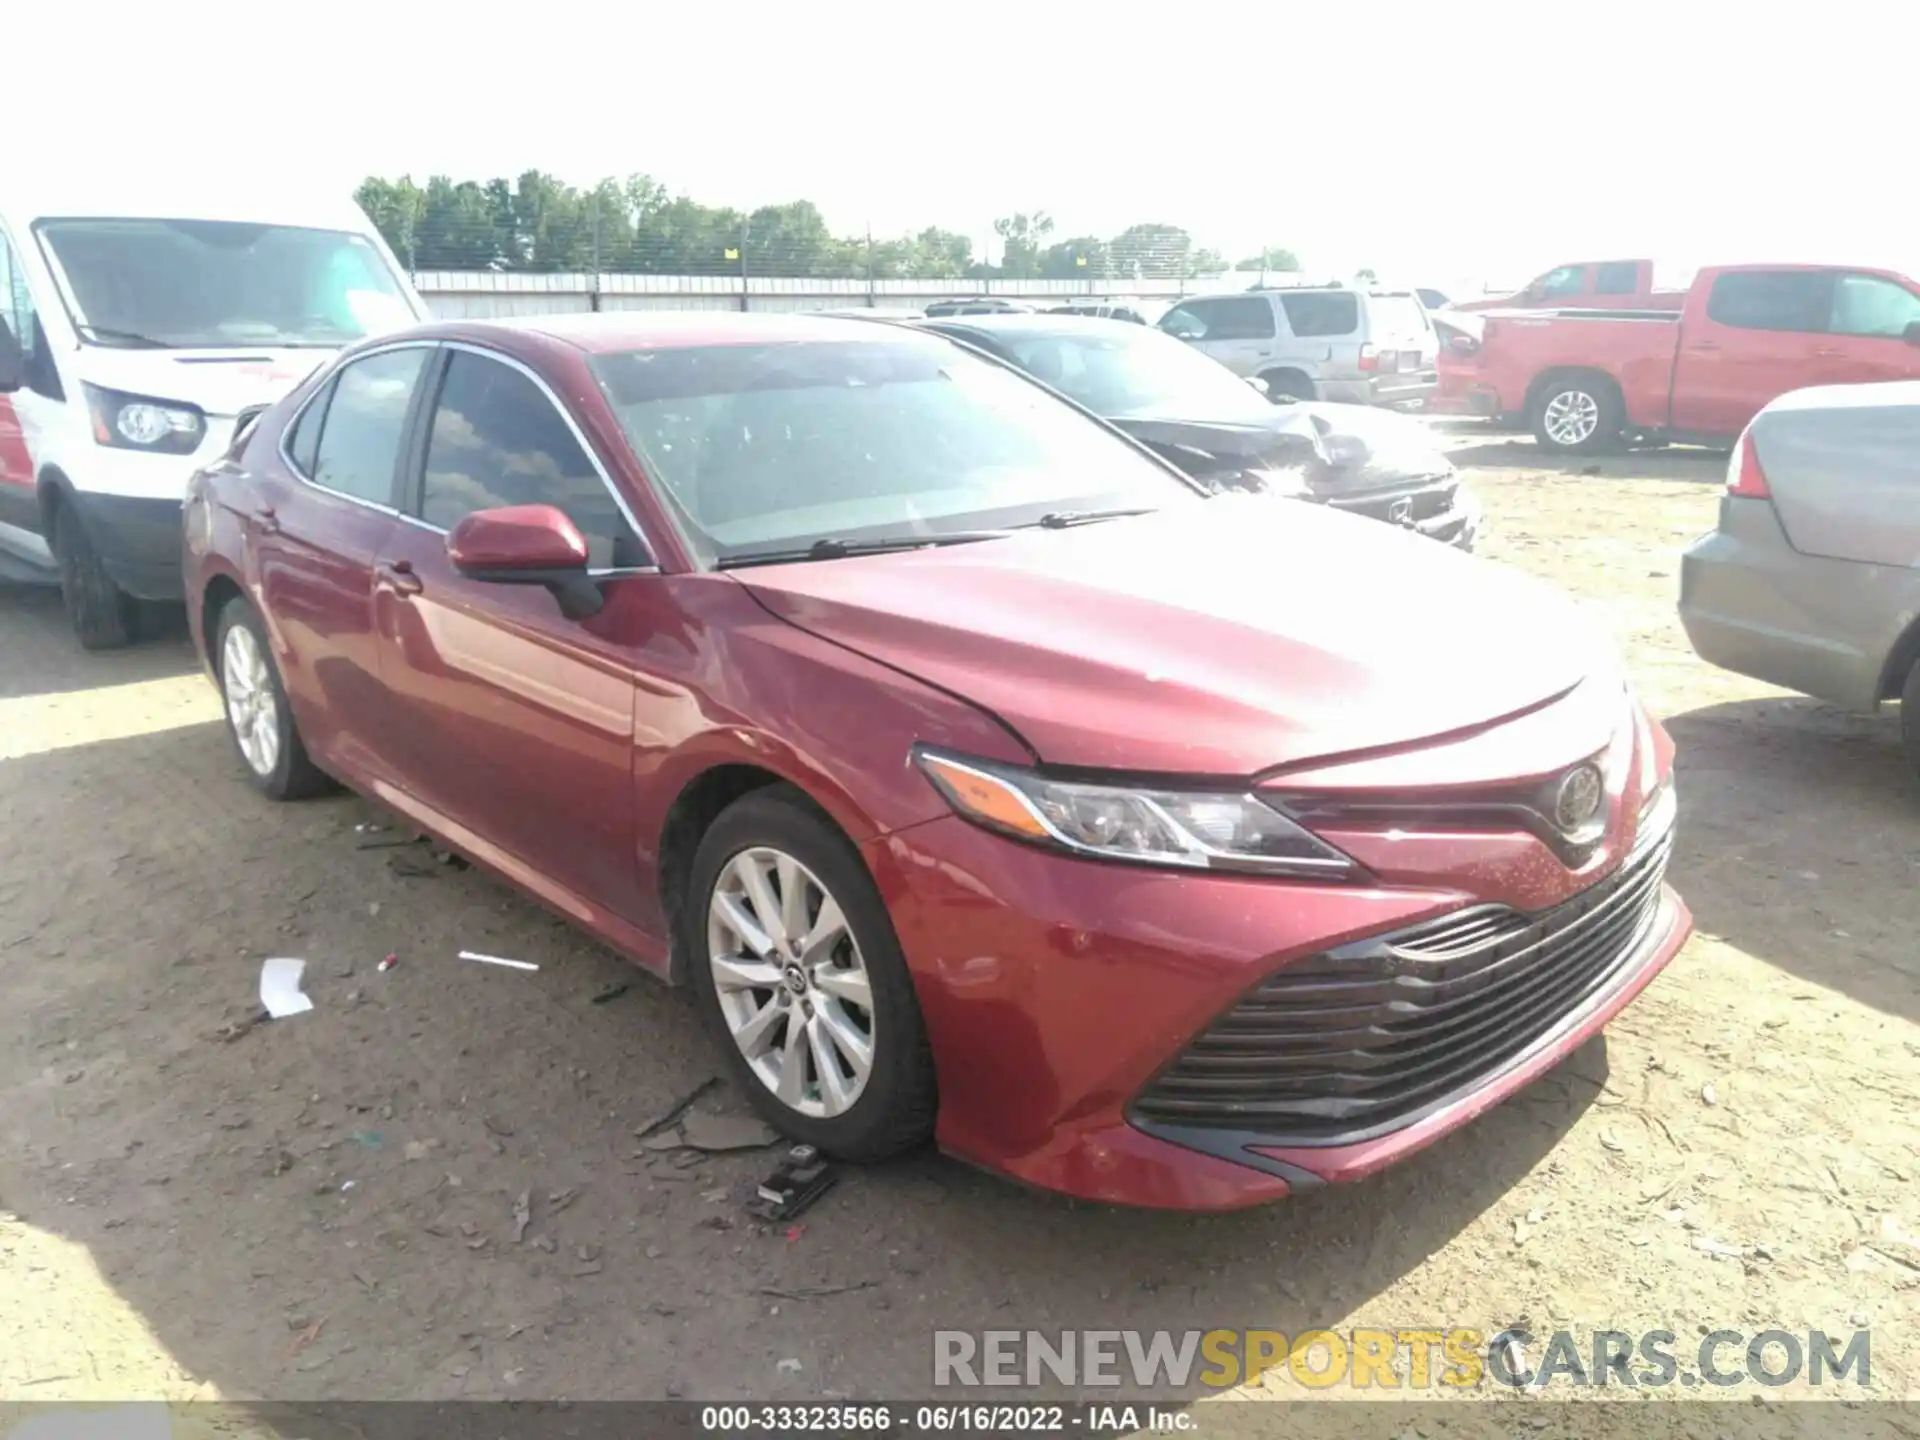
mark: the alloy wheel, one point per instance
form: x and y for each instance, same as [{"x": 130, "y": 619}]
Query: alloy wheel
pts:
[
  {"x": 253, "y": 709},
  {"x": 1571, "y": 417},
  {"x": 793, "y": 987}
]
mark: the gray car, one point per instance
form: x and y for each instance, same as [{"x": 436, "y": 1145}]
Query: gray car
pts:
[{"x": 1812, "y": 580}]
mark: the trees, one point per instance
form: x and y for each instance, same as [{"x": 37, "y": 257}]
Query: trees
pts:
[
  {"x": 1274, "y": 257},
  {"x": 539, "y": 223}
]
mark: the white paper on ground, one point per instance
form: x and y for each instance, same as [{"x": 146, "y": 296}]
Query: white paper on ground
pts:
[{"x": 280, "y": 988}]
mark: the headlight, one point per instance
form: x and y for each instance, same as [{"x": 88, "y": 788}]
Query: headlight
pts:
[
  {"x": 135, "y": 422},
  {"x": 1188, "y": 830}
]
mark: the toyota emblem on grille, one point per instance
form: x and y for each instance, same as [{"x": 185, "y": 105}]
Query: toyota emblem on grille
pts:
[
  {"x": 1576, "y": 799},
  {"x": 1400, "y": 512}
]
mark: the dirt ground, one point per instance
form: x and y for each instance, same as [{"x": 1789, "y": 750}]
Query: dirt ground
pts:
[{"x": 324, "y": 1206}]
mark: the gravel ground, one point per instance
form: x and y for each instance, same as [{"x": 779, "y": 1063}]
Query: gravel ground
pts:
[{"x": 325, "y": 1207}]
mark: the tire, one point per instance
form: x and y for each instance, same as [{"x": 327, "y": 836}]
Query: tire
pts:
[
  {"x": 1577, "y": 415},
  {"x": 1910, "y": 717},
  {"x": 104, "y": 616},
  {"x": 259, "y": 720},
  {"x": 1289, "y": 384},
  {"x": 790, "y": 1021}
]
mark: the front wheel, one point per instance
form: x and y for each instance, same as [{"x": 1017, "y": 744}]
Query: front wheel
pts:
[
  {"x": 103, "y": 616},
  {"x": 797, "y": 968},
  {"x": 1577, "y": 416}
]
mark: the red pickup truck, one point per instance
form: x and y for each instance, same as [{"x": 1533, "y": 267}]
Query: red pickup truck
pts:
[
  {"x": 1595, "y": 284},
  {"x": 1584, "y": 379}
]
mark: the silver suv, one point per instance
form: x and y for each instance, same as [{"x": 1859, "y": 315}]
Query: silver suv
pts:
[{"x": 1322, "y": 342}]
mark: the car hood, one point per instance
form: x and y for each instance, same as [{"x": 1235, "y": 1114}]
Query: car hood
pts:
[
  {"x": 1340, "y": 450},
  {"x": 221, "y": 382},
  {"x": 1226, "y": 637}
]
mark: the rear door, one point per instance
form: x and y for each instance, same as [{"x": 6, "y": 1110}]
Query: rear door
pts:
[
  {"x": 315, "y": 521},
  {"x": 1236, "y": 330},
  {"x": 1867, "y": 331},
  {"x": 512, "y": 724},
  {"x": 1326, "y": 333},
  {"x": 1759, "y": 334}
]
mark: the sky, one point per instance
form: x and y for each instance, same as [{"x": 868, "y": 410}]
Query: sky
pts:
[{"x": 1431, "y": 143}]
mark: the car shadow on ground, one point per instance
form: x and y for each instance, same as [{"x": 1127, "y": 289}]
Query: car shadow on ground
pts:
[
  {"x": 1790, "y": 794},
  {"x": 239, "y": 1184},
  {"x": 53, "y": 663},
  {"x": 1677, "y": 462}
]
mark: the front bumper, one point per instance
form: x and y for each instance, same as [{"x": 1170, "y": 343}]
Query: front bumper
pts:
[
  {"x": 1056, "y": 990},
  {"x": 1445, "y": 510},
  {"x": 138, "y": 540}
]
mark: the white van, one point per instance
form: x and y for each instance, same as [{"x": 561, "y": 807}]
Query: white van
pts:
[
  {"x": 133, "y": 337},
  {"x": 1318, "y": 342}
]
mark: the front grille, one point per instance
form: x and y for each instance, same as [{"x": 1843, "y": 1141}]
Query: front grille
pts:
[
  {"x": 1425, "y": 504},
  {"x": 1362, "y": 1039}
]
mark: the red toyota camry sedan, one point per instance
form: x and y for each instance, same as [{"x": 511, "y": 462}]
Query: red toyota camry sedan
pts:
[{"x": 984, "y": 779}]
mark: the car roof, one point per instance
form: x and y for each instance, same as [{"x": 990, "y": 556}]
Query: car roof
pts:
[
  {"x": 615, "y": 331},
  {"x": 1037, "y": 324},
  {"x": 246, "y": 203}
]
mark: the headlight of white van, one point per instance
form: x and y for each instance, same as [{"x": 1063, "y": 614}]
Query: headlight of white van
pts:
[{"x": 138, "y": 422}]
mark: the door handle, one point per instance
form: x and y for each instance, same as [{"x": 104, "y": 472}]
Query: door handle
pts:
[
  {"x": 1827, "y": 352},
  {"x": 266, "y": 521},
  {"x": 399, "y": 577}
]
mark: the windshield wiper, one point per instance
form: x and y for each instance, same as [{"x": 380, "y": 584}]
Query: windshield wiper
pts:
[
  {"x": 836, "y": 549},
  {"x": 132, "y": 338},
  {"x": 1063, "y": 519}
]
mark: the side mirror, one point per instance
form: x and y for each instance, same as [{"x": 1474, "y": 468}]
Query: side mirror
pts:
[
  {"x": 13, "y": 361},
  {"x": 527, "y": 545},
  {"x": 1258, "y": 384},
  {"x": 1912, "y": 334}
]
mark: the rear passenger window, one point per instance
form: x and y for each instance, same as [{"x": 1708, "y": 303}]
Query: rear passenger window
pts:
[
  {"x": 1772, "y": 300},
  {"x": 305, "y": 439},
  {"x": 1869, "y": 305},
  {"x": 1322, "y": 312},
  {"x": 498, "y": 440},
  {"x": 1619, "y": 278},
  {"x": 358, "y": 451}
]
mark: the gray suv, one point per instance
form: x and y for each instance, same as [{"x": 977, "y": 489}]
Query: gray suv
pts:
[
  {"x": 1812, "y": 579},
  {"x": 1318, "y": 342}
]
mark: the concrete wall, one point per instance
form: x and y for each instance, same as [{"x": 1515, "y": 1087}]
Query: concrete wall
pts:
[{"x": 461, "y": 295}]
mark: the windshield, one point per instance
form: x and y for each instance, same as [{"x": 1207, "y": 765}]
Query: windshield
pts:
[
  {"x": 769, "y": 446},
  {"x": 1144, "y": 373},
  {"x": 204, "y": 284}
]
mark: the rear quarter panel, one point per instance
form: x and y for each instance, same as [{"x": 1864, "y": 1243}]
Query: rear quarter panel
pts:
[{"x": 1637, "y": 352}]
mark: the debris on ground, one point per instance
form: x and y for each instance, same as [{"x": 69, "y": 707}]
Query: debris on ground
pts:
[
  {"x": 789, "y": 1366},
  {"x": 496, "y": 1126},
  {"x": 1717, "y": 1247},
  {"x": 386, "y": 844},
  {"x": 558, "y": 1200},
  {"x": 304, "y": 1338},
  {"x": 716, "y": 1134},
  {"x": 368, "y": 1139},
  {"x": 451, "y": 860},
  {"x": 815, "y": 1292},
  {"x": 1709, "y": 1096},
  {"x": 387, "y": 964},
  {"x": 522, "y": 1216},
  {"x": 612, "y": 992},
  {"x": 406, "y": 865},
  {"x": 679, "y": 1107},
  {"x": 417, "y": 1149},
  {"x": 799, "y": 1180},
  {"x": 477, "y": 957},
  {"x": 280, "y": 988}
]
